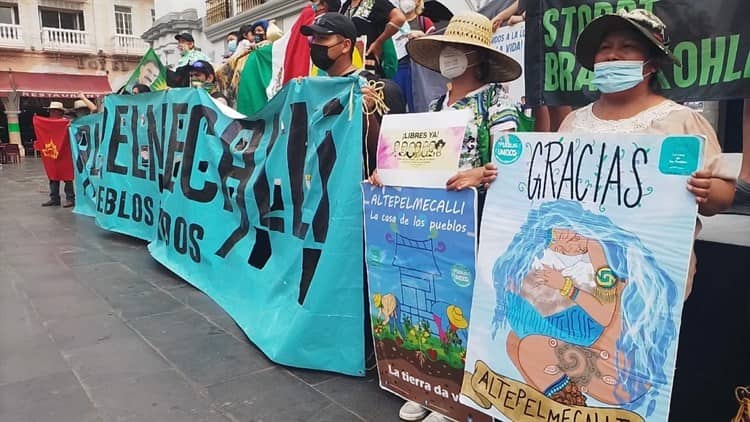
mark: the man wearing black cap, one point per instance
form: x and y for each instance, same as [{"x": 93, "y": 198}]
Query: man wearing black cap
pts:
[
  {"x": 186, "y": 45},
  {"x": 189, "y": 55},
  {"x": 332, "y": 40}
]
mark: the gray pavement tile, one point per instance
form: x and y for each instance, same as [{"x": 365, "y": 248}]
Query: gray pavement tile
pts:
[
  {"x": 63, "y": 285},
  {"x": 55, "y": 397},
  {"x": 363, "y": 396},
  {"x": 168, "y": 281},
  {"x": 87, "y": 330},
  {"x": 230, "y": 326},
  {"x": 70, "y": 306},
  {"x": 160, "y": 397},
  {"x": 149, "y": 302},
  {"x": 268, "y": 396},
  {"x": 29, "y": 362},
  {"x": 336, "y": 413},
  {"x": 150, "y": 269},
  {"x": 19, "y": 327},
  {"x": 111, "y": 279},
  {"x": 210, "y": 359},
  {"x": 41, "y": 270},
  {"x": 119, "y": 359},
  {"x": 199, "y": 301},
  {"x": 76, "y": 257},
  {"x": 164, "y": 329},
  {"x": 312, "y": 377}
]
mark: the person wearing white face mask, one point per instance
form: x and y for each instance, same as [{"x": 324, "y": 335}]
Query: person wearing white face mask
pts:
[
  {"x": 476, "y": 71},
  {"x": 625, "y": 51}
]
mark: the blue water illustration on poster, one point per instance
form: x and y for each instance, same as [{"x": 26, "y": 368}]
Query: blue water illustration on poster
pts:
[
  {"x": 421, "y": 248},
  {"x": 582, "y": 268}
]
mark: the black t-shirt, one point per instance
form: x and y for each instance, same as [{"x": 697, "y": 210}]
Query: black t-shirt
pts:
[{"x": 370, "y": 17}]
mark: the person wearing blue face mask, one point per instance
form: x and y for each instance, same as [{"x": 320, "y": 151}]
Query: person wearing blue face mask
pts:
[
  {"x": 625, "y": 50},
  {"x": 232, "y": 41}
]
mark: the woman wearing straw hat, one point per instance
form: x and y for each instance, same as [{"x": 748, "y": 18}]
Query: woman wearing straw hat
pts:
[
  {"x": 464, "y": 55},
  {"x": 625, "y": 50}
]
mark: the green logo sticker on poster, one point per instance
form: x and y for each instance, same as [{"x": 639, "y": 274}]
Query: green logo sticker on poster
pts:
[
  {"x": 508, "y": 149},
  {"x": 461, "y": 275},
  {"x": 679, "y": 155}
]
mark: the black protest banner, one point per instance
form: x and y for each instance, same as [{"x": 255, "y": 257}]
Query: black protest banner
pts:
[{"x": 711, "y": 39}]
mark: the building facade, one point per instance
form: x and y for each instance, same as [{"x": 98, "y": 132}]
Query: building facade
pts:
[
  {"x": 54, "y": 49},
  {"x": 225, "y": 16},
  {"x": 174, "y": 17}
]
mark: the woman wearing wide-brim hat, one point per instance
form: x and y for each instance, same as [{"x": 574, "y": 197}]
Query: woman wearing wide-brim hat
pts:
[
  {"x": 464, "y": 55},
  {"x": 626, "y": 51}
]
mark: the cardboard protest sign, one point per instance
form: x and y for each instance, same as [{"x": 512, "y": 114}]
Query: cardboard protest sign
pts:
[
  {"x": 511, "y": 40},
  {"x": 420, "y": 150},
  {"x": 711, "y": 40},
  {"x": 421, "y": 248},
  {"x": 583, "y": 260},
  {"x": 262, "y": 214}
]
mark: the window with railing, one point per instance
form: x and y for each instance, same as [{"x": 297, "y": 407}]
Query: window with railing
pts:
[
  {"x": 245, "y": 5},
  {"x": 62, "y": 19},
  {"x": 218, "y": 10},
  {"x": 8, "y": 14},
  {"x": 123, "y": 20}
]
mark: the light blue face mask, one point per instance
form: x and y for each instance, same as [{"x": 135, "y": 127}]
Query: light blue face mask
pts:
[
  {"x": 617, "y": 76},
  {"x": 232, "y": 46}
]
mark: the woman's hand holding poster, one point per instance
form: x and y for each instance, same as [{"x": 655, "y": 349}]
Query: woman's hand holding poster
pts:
[{"x": 583, "y": 260}]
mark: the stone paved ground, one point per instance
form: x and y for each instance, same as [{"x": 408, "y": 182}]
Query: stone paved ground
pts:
[{"x": 93, "y": 329}]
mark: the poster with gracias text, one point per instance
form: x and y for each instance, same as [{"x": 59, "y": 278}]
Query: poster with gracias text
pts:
[
  {"x": 421, "y": 249},
  {"x": 582, "y": 267}
]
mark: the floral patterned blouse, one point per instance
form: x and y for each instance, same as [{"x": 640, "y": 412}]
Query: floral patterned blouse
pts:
[{"x": 501, "y": 116}]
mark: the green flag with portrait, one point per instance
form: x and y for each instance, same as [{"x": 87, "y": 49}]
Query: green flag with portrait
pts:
[{"x": 150, "y": 72}]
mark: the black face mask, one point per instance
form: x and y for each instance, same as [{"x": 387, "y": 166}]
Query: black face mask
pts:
[
  {"x": 259, "y": 38},
  {"x": 319, "y": 56}
]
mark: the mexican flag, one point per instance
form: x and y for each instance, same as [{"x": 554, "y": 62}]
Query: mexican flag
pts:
[
  {"x": 150, "y": 72},
  {"x": 268, "y": 68},
  {"x": 53, "y": 142}
]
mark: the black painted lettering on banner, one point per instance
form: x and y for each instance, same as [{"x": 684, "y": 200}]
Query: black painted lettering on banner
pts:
[
  {"x": 135, "y": 149},
  {"x": 115, "y": 141},
  {"x": 261, "y": 190},
  {"x": 237, "y": 132},
  {"x": 326, "y": 159},
  {"x": 197, "y": 115},
  {"x": 180, "y": 235},
  {"x": 296, "y": 149},
  {"x": 175, "y": 146}
]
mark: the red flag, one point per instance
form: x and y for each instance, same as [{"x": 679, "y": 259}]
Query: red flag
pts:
[
  {"x": 53, "y": 142},
  {"x": 297, "y": 64}
]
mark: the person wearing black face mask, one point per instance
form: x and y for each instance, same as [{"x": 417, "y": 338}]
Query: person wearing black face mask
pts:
[{"x": 332, "y": 40}]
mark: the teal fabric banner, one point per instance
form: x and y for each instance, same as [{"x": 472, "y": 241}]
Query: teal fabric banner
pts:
[{"x": 263, "y": 214}]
